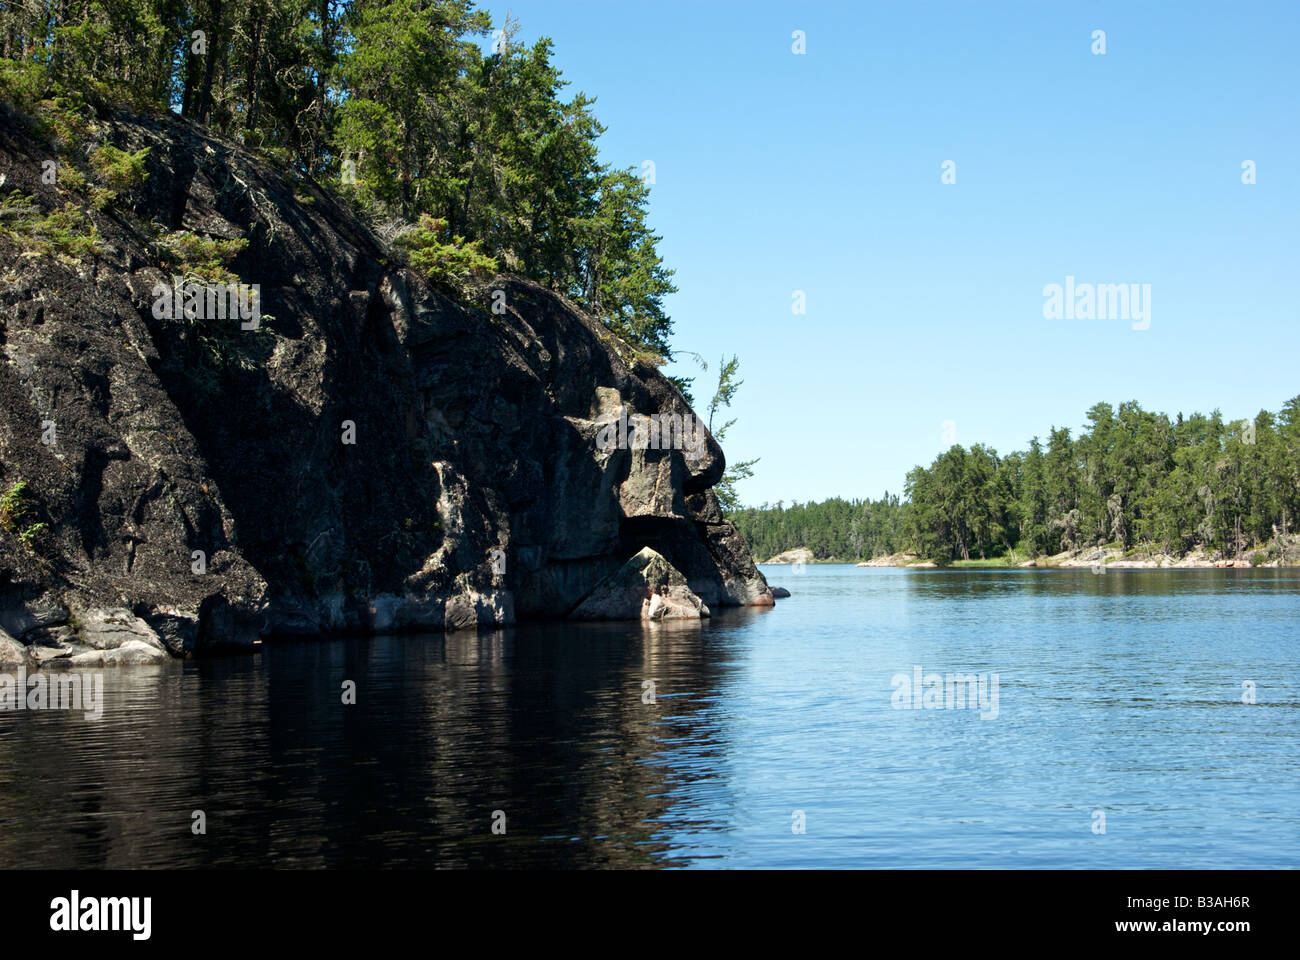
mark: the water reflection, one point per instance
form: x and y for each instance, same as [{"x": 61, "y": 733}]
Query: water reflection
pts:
[
  {"x": 552, "y": 729},
  {"x": 1120, "y": 692}
]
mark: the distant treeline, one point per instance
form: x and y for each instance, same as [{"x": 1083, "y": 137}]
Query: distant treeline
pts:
[
  {"x": 839, "y": 529},
  {"x": 1132, "y": 478}
]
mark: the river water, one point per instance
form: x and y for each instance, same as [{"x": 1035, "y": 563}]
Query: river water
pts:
[{"x": 1115, "y": 736}]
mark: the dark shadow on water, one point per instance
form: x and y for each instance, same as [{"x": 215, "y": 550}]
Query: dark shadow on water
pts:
[{"x": 545, "y": 723}]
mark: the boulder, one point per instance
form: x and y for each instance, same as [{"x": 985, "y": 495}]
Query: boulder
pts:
[
  {"x": 797, "y": 555},
  {"x": 892, "y": 560},
  {"x": 130, "y": 653},
  {"x": 13, "y": 653},
  {"x": 471, "y": 610},
  {"x": 178, "y": 629},
  {"x": 18, "y": 618},
  {"x": 647, "y": 587},
  {"x": 110, "y": 628}
]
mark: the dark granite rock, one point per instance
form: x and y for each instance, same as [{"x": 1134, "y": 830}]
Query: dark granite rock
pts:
[{"x": 221, "y": 508}]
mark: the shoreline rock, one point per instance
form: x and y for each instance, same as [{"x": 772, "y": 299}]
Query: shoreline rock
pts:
[
  {"x": 797, "y": 555},
  {"x": 378, "y": 456},
  {"x": 893, "y": 560},
  {"x": 1113, "y": 558},
  {"x": 647, "y": 587}
]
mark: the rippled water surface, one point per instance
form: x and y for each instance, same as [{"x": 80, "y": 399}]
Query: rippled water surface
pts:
[{"x": 1119, "y": 693}]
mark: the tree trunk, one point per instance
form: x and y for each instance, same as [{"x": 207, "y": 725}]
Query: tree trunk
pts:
[
  {"x": 255, "y": 78},
  {"x": 209, "y": 60}
]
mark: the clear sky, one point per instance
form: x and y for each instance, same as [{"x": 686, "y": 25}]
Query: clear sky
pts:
[{"x": 821, "y": 172}]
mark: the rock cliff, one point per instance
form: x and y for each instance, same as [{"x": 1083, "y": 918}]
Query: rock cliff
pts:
[{"x": 373, "y": 456}]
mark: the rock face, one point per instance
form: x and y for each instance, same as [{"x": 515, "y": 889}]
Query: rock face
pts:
[
  {"x": 373, "y": 457},
  {"x": 13, "y": 653},
  {"x": 647, "y": 587}
]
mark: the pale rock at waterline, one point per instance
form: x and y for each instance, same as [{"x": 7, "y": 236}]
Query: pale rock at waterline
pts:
[
  {"x": 108, "y": 629},
  {"x": 470, "y": 610},
  {"x": 647, "y": 587},
  {"x": 130, "y": 653},
  {"x": 797, "y": 555}
]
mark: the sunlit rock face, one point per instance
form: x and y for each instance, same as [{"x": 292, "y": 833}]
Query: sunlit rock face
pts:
[
  {"x": 368, "y": 456},
  {"x": 647, "y": 587}
]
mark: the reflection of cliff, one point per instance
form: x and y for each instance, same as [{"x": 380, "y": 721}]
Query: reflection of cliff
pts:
[
  {"x": 545, "y": 723},
  {"x": 118, "y": 792}
]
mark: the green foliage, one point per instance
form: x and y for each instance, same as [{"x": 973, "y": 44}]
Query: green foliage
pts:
[
  {"x": 23, "y": 83},
  {"x": 835, "y": 529},
  {"x": 120, "y": 170},
  {"x": 443, "y": 257},
  {"x": 20, "y": 512},
  {"x": 723, "y": 394},
  {"x": 392, "y": 102},
  {"x": 217, "y": 347},
  {"x": 204, "y": 258},
  {"x": 17, "y": 200},
  {"x": 622, "y": 279},
  {"x": 65, "y": 231},
  {"x": 14, "y": 506},
  {"x": 66, "y": 121},
  {"x": 31, "y": 534}
]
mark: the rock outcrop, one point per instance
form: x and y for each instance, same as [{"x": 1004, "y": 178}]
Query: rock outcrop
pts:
[
  {"x": 799, "y": 555},
  {"x": 12, "y": 653},
  {"x": 892, "y": 560},
  {"x": 373, "y": 456},
  {"x": 647, "y": 587}
]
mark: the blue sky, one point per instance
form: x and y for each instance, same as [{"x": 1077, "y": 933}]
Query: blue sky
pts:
[{"x": 821, "y": 172}]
